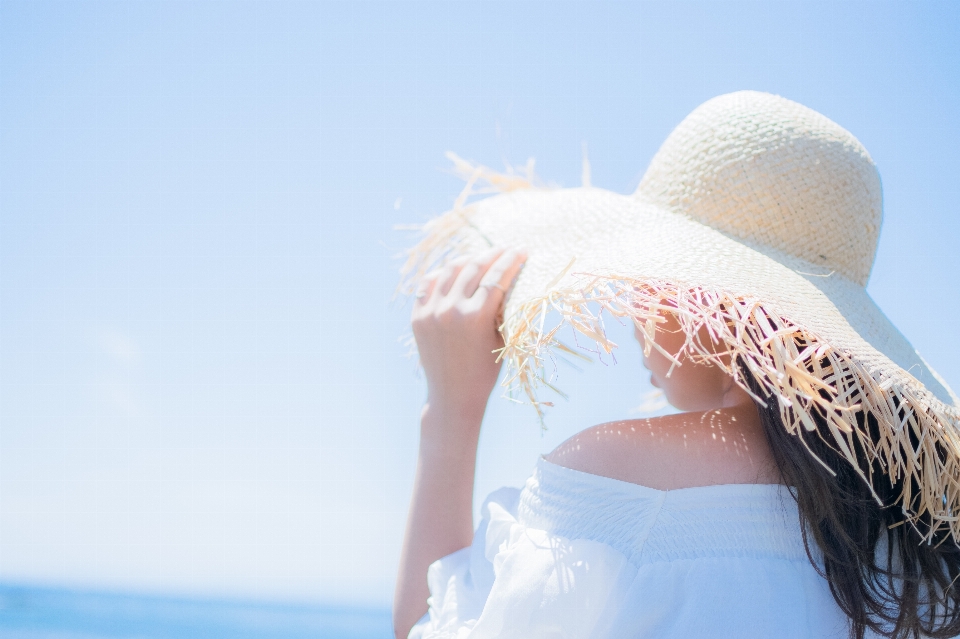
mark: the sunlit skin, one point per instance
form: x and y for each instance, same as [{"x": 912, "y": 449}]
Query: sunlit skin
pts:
[
  {"x": 719, "y": 441},
  {"x": 454, "y": 320}
]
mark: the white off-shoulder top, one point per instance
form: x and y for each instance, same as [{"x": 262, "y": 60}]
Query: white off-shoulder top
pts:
[{"x": 576, "y": 555}]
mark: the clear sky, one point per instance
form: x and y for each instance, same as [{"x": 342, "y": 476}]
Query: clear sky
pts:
[{"x": 202, "y": 387}]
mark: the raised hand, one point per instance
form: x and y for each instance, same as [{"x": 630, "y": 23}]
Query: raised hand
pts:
[{"x": 455, "y": 320}]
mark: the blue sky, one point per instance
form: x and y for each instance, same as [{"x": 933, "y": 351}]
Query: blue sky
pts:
[{"x": 202, "y": 388}]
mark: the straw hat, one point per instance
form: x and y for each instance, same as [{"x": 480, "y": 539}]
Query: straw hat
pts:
[{"x": 757, "y": 218}]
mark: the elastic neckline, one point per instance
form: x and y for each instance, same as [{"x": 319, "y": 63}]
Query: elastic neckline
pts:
[
  {"x": 649, "y": 525},
  {"x": 620, "y": 485}
]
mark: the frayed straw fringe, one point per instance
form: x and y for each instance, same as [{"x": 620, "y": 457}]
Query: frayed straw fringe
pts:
[{"x": 919, "y": 436}]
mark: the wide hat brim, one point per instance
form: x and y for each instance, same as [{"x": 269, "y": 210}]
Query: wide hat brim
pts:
[{"x": 815, "y": 340}]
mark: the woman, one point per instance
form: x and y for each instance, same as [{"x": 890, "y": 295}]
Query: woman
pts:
[{"x": 810, "y": 488}]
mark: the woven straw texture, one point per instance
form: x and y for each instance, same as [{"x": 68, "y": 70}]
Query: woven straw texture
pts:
[{"x": 758, "y": 219}]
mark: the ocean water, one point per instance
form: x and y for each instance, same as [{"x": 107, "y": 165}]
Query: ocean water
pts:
[{"x": 48, "y": 613}]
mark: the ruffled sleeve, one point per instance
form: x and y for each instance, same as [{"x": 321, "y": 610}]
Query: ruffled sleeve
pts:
[
  {"x": 461, "y": 582},
  {"x": 515, "y": 581}
]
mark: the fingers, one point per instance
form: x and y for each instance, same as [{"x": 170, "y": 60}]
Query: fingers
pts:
[
  {"x": 449, "y": 275},
  {"x": 425, "y": 288},
  {"x": 496, "y": 282},
  {"x": 470, "y": 275},
  {"x": 471, "y": 279},
  {"x": 437, "y": 283}
]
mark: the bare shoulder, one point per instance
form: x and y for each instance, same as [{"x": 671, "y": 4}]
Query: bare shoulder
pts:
[{"x": 725, "y": 446}]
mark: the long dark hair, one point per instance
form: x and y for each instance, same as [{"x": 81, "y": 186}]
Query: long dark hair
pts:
[{"x": 882, "y": 572}]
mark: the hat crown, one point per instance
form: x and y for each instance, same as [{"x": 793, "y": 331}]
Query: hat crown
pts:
[{"x": 772, "y": 172}]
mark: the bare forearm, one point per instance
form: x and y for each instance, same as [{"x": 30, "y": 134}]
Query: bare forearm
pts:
[
  {"x": 441, "y": 511},
  {"x": 455, "y": 324}
]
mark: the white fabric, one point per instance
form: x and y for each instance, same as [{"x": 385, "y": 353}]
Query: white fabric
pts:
[{"x": 575, "y": 555}]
